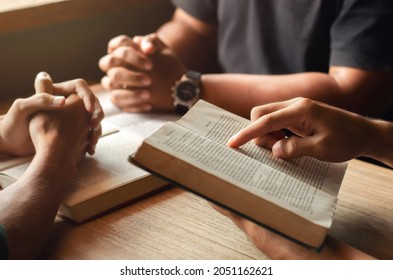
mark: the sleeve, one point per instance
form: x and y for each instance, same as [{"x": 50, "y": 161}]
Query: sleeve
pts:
[
  {"x": 3, "y": 244},
  {"x": 362, "y": 35},
  {"x": 204, "y": 10}
]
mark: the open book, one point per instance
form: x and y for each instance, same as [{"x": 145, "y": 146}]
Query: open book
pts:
[
  {"x": 106, "y": 180},
  {"x": 294, "y": 197}
]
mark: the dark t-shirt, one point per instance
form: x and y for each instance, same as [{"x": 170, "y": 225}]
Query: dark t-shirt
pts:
[
  {"x": 291, "y": 36},
  {"x": 3, "y": 244}
]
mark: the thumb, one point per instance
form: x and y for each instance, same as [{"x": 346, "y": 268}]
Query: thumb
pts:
[
  {"x": 152, "y": 44},
  {"x": 43, "y": 83},
  {"x": 38, "y": 102},
  {"x": 293, "y": 146}
]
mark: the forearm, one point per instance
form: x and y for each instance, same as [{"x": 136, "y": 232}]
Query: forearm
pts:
[
  {"x": 29, "y": 206},
  {"x": 192, "y": 40},
  {"x": 239, "y": 93}
]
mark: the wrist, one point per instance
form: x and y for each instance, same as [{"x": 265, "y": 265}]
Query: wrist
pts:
[
  {"x": 379, "y": 146},
  {"x": 57, "y": 155},
  {"x": 186, "y": 91}
]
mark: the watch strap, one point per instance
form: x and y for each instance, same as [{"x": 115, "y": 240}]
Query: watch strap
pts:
[
  {"x": 195, "y": 76},
  {"x": 181, "y": 109}
]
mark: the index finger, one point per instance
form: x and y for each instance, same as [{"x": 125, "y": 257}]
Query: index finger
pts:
[
  {"x": 270, "y": 122},
  {"x": 151, "y": 43},
  {"x": 91, "y": 102},
  {"x": 122, "y": 40},
  {"x": 79, "y": 87}
]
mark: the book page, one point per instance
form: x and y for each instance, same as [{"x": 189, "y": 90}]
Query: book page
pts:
[
  {"x": 107, "y": 169},
  {"x": 219, "y": 125},
  {"x": 108, "y": 107},
  {"x": 7, "y": 162},
  {"x": 137, "y": 125},
  {"x": 305, "y": 186}
]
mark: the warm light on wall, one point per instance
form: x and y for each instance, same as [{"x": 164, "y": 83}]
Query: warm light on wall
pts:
[{"x": 11, "y": 5}]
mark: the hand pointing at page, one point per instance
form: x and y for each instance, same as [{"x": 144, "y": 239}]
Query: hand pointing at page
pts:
[{"x": 321, "y": 131}]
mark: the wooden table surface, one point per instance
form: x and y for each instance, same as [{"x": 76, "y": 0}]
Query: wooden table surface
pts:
[
  {"x": 176, "y": 224},
  {"x": 364, "y": 214}
]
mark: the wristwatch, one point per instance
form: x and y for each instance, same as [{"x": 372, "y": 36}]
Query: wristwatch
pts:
[{"x": 186, "y": 91}]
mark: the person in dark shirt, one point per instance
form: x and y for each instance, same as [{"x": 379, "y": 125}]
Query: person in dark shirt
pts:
[
  {"x": 58, "y": 125},
  {"x": 335, "y": 51}
]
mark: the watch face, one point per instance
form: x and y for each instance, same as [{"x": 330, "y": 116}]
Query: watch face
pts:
[{"x": 186, "y": 91}]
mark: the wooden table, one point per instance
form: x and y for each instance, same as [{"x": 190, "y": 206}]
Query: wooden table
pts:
[
  {"x": 364, "y": 214},
  {"x": 176, "y": 224}
]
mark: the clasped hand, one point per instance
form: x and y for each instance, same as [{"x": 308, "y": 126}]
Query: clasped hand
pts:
[
  {"x": 140, "y": 73},
  {"x": 14, "y": 128}
]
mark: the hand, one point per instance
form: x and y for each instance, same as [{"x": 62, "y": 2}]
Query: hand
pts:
[
  {"x": 141, "y": 72},
  {"x": 14, "y": 127},
  {"x": 43, "y": 83},
  {"x": 90, "y": 101},
  {"x": 321, "y": 131},
  {"x": 64, "y": 132},
  {"x": 277, "y": 247}
]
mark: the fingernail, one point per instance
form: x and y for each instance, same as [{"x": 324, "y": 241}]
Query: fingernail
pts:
[
  {"x": 145, "y": 94},
  {"x": 146, "y": 45},
  {"x": 232, "y": 140},
  {"x": 58, "y": 100},
  {"x": 43, "y": 75},
  {"x": 277, "y": 149},
  {"x": 146, "y": 81},
  {"x": 147, "y": 66},
  {"x": 147, "y": 108},
  {"x": 91, "y": 151}
]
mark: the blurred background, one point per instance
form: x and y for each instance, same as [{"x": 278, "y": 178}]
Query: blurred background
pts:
[{"x": 66, "y": 38}]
